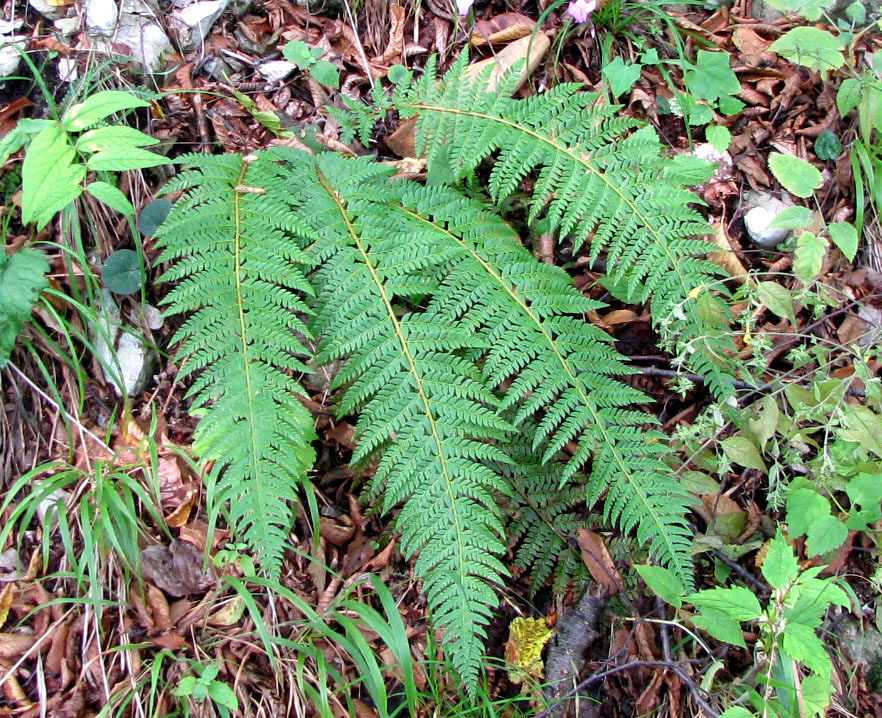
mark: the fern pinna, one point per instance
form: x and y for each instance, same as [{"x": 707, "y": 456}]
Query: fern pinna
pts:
[{"x": 241, "y": 278}]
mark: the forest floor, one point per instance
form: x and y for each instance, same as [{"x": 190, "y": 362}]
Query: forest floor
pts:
[{"x": 94, "y": 639}]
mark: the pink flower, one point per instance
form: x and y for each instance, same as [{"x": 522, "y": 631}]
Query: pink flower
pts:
[
  {"x": 579, "y": 10},
  {"x": 464, "y": 6}
]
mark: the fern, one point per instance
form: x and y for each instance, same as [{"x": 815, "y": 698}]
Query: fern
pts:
[
  {"x": 240, "y": 278},
  {"x": 423, "y": 407},
  {"x": 594, "y": 183}
]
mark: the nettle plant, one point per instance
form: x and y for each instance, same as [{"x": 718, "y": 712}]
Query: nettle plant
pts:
[{"x": 475, "y": 377}]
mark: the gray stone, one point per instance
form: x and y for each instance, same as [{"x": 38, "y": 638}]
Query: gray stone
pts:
[
  {"x": 10, "y": 57},
  {"x": 101, "y": 16},
  {"x": 194, "y": 21},
  {"x": 148, "y": 41},
  {"x": 276, "y": 70},
  {"x": 860, "y": 641},
  {"x": 50, "y": 12},
  {"x": 125, "y": 357},
  {"x": 67, "y": 69},
  {"x": 762, "y": 208},
  {"x": 67, "y": 26}
]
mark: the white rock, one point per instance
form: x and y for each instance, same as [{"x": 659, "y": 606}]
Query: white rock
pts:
[
  {"x": 51, "y": 12},
  {"x": 125, "y": 358},
  {"x": 101, "y": 16},
  {"x": 276, "y": 70},
  {"x": 194, "y": 21},
  {"x": 47, "y": 509},
  {"x": 7, "y": 27},
  {"x": 10, "y": 57},
  {"x": 67, "y": 26},
  {"x": 153, "y": 317},
  {"x": 762, "y": 210},
  {"x": 67, "y": 69},
  {"x": 148, "y": 41}
]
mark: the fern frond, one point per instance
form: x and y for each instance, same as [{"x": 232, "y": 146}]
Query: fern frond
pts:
[
  {"x": 242, "y": 278},
  {"x": 560, "y": 369},
  {"x": 619, "y": 194},
  {"x": 424, "y": 409}
]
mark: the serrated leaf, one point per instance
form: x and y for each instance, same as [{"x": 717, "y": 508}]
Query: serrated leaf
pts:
[
  {"x": 663, "y": 583},
  {"x": 848, "y": 96},
  {"x": 105, "y": 138},
  {"x": 766, "y": 422},
  {"x": 712, "y": 76},
  {"x": 738, "y": 602},
  {"x": 845, "y": 237},
  {"x": 51, "y": 179},
  {"x": 862, "y": 426},
  {"x": 778, "y": 299},
  {"x": 721, "y": 626},
  {"x": 621, "y": 75},
  {"x": 864, "y": 490},
  {"x": 742, "y": 451},
  {"x": 793, "y": 218},
  {"x": 97, "y": 107},
  {"x": 112, "y": 197},
  {"x": 817, "y": 693},
  {"x": 810, "y": 47},
  {"x": 120, "y": 159},
  {"x": 718, "y": 136},
  {"x": 825, "y": 535},
  {"x": 121, "y": 273},
  {"x": 325, "y": 73},
  {"x": 736, "y": 712},
  {"x": 795, "y": 175},
  {"x": 223, "y": 695},
  {"x": 780, "y": 567},
  {"x": 809, "y": 256},
  {"x": 805, "y": 506},
  {"x": 802, "y": 644},
  {"x": 22, "y": 278}
]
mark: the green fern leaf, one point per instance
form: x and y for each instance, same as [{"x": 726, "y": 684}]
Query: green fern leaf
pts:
[
  {"x": 619, "y": 194},
  {"x": 424, "y": 408},
  {"x": 241, "y": 281}
]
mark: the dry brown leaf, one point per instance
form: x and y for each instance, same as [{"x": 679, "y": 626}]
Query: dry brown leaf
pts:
[
  {"x": 395, "y": 46},
  {"x": 339, "y": 531},
  {"x": 598, "y": 560},
  {"x": 170, "y": 641},
  {"x": 159, "y": 611},
  {"x": 505, "y": 59},
  {"x": 12, "y": 645},
  {"x": 727, "y": 259},
  {"x": 6, "y": 596},
  {"x": 501, "y": 28},
  {"x": 229, "y": 614},
  {"x": 176, "y": 569},
  {"x": 650, "y": 697},
  {"x": 619, "y": 316}
]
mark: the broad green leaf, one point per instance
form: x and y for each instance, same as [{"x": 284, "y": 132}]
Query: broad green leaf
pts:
[
  {"x": 870, "y": 110},
  {"x": 763, "y": 427},
  {"x": 119, "y": 159},
  {"x": 811, "y": 597},
  {"x": 106, "y": 138},
  {"x": 121, "y": 273},
  {"x": 663, "y": 583},
  {"x": 864, "y": 490},
  {"x": 223, "y": 695},
  {"x": 730, "y": 105},
  {"x": 153, "y": 215},
  {"x": 797, "y": 176},
  {"x": 805, "y": 506},
  {"x": 809, "y": 256},
  {"x": 736, "y": 712},
  {"x": 848, "y": 96},
  {"x": 801, "y": 644},
  {"x": 845, "y": 237},
  {"x": 780, "y": 566},
  {"x": 712, "y": 77},
  {"x": 621, "y": 75},
  {"x": 20, "y": 135},
  {"x": 824, "y": 535},
  {"x": 861, "y": 425},
  {"x": 186, "y": 686},
  {"x": 827, "y": 146},
  {"x": 97, "y": 107},
  {"x": 793, "y": 218},
  {"x": 718, "y": 136},
  {"x": 326, "y": 73},
  {"x": 299, "y": 53},
  {"x": 51, "y": 180},
  {"x": 817, "y": 693},
  {"x": 742, "y": 451},
  {"x": 738, "y": 602},
  {"x": 399, "y": 75},
  {"x": 778, "y": 299},
  {"x": 111, "y": 196},
  {"x": 810, "y": 47},
  {"x": 22, "y": 278},
  {"x": 809, "y": 9},
  {"x": 721, "y": 626}
]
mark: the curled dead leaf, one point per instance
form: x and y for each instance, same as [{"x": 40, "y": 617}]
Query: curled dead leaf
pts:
[
  {"x": 501, "y": 28},
  {"x": 598, "y": 560}
]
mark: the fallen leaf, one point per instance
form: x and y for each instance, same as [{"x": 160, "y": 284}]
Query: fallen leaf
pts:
[
  {"x": 727, "y": 259},
  {"x": 395, "y": 46},
  {"x": 13, "y": 645},
  {"x": 501, "y": 28},
  {"x": 598, "y": 560},
  {"x": 229, "y": 614},
  {"x": 177, "y": 569}
]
